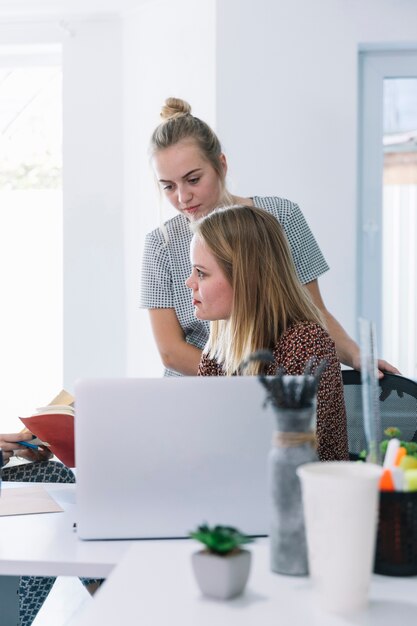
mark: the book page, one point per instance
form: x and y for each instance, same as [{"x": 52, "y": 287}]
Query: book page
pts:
[{"x": 64, "y": 397}]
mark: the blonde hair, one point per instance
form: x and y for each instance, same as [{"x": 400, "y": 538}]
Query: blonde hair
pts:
[
  {"x": 251, "y": 249},
  {"x": 180, "y": 125}
]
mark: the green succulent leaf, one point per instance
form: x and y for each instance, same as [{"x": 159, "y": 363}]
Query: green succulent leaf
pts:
[{"x": 220, "y": 539}]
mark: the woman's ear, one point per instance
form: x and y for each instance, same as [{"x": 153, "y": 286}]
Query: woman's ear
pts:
[{"x": 223, "y": 163}]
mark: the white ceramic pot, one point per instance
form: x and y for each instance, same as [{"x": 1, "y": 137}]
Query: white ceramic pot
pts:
[{"x": 221, "y": 577}]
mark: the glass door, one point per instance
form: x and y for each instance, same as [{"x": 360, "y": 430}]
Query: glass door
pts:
[{"x": 387, "y": 268}]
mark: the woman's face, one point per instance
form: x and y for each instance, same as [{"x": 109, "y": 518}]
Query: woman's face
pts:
[
  {"x": 211, "y": 291},
  {"x": 188, "y": 180}
]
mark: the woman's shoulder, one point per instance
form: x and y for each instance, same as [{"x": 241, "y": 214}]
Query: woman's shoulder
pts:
[
  {"x": 174, "y": 231},
  {"x": 307, "y": 338},
  {"x": 281, "y": 208},
  {"x": 303, "y": 330},
  {"x": 174, "y": 224}
]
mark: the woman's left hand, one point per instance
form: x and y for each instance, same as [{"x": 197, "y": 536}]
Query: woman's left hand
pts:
[{"x": 383, "y": 366}]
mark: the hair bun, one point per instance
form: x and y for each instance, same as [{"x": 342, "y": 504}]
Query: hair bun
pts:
[{"x": 173, "y": 107}]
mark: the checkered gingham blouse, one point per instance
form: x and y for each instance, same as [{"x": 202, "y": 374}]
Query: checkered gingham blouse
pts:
[{"x": 166, "y": 264}]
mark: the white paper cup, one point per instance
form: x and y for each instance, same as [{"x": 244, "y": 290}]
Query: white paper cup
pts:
[{"x": 340, "y": 501}]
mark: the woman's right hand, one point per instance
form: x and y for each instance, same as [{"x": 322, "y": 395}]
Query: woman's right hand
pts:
[{"x": 10, "y": 448}]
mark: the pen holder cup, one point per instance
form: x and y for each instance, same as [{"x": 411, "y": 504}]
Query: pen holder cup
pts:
[{"x": 396, "y": 544}]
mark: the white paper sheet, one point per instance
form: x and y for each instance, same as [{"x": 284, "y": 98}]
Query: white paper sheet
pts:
[{"x": 27, "y": 500}]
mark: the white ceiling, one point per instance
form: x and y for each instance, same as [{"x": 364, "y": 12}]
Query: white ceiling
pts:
[{"x": 14, "y": 9}]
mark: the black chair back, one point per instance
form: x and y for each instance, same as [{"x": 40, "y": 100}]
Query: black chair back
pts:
[{"x": 398, "y": 407}]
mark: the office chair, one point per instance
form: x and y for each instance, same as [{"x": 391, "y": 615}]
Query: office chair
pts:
[{"x": 398, "y": 407}]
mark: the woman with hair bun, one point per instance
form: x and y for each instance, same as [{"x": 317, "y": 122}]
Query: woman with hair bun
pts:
[
  {"x": 191, "y": 168},
  {"x": 244, "y": 283}
]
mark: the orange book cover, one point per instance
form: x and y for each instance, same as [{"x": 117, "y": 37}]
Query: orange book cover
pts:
[{"x": 53, "y": 425}]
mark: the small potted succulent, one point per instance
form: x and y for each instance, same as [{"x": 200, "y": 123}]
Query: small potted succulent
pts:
[{"x": 222, "y": 567}]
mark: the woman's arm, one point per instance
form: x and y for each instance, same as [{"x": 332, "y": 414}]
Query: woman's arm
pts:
[
  {"x": 347, "y": 350},
  {"x": 176, "y": 353}
]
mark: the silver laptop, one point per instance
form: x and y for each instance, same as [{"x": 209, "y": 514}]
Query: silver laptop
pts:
[{"x": 157, "y": 457}]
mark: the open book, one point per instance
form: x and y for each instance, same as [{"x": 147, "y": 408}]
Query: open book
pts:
[{"x": 53, "y": 427}]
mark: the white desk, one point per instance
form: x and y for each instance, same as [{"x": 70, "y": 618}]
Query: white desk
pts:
[
  {"x": 47, "y": 545},
  {"x": 154, "y": 585},
  {"x": 153, "y": 581}
]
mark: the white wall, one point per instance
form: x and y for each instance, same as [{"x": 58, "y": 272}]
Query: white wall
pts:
[
  {"x": 287, "y": 111},
  {"x": 94, "y": 272},
  {"x": 169, "y": 51}
]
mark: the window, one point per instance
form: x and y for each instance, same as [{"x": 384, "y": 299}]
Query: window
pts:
[
  {"x": 31, "y": 333},
  {"x": 399, "y": 231}
]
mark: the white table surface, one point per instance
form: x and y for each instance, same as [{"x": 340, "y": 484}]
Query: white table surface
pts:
[
  {"x": 154, "y": 585},
  {"x": 46, "y": 544},
  {"x": 153, "y": 582}
]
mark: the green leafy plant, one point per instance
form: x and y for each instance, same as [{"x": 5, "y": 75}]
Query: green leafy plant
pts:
[
  {"x": 221, "y": 540},
  {"x": 410, "y": 446},
  {"x": 390, "y": 433}
]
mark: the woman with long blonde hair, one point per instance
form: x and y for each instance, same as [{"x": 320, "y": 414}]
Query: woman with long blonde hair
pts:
[{"x": 244, "y": 283}]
